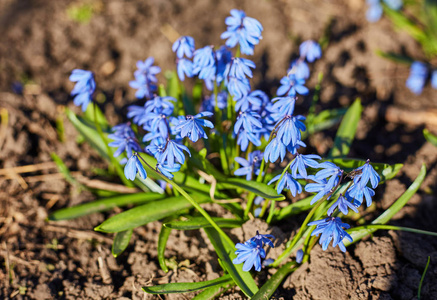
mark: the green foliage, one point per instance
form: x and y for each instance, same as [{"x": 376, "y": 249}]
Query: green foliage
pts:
[
  {"x": 430, "y": 137},
  {"x": 121, "y": 241},
  {"x": 83, "y": 11},
  {"x": 200, "y": 222}
]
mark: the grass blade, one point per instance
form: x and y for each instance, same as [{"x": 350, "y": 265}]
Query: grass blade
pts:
[
  {"x": 148, "y": 212},
  {"x": 423, "y": 277},
  {"x": 214, "y": 291},
  {"x": 121, "y": 241},
  {"x": 267, "y": 290},
  {"x": 162, "y": 242},
  {"x": 226, "y": 253},
  {"x": 102, "y": 205},
  {"x": 392, "y": 210},
  {"x": 185, "y": 287},
  {"x": 430, "y": 137},
  {"x": 200, "y": 222},
  {"x": 258, "y": 188},
  {"x": 346, "y": 131}
]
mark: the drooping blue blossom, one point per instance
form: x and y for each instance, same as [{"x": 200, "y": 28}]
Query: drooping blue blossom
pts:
[
  {"x": 319, "y": 187},
  {"x": 124, "y": 139},
  {"x": 133, "y": 167},
  {"x": 251, "y": 100},
  {"x": 192, "y": 126},
  {"x": 434, "y": 79},
  {"x": 167, "y": 170},
  {"x": 310, "y": 50},
  {"x": 357, "y": 193},
  {"x": 250, "y": 253},
  {"x": 290, "y": 129},
  {"x": 184, "y": 68},
  {"x": 240, "y": 68},
  {"x": 274, "y": 150},
  {"x": 417, "y": 79},
  {"x": 204, "y": 63},
  {"x": 249, "y": 166},
  {"x": 249, "y": 120},
  {"x": 331, "y": 171},
  {"x": 173, "y": 152},
  {"x": 244, "y": 137},
  {"x": 147, "y": 70},
  {"x": 299, "y": 256},
  {"x": 183, "y": 46},
  {"x": 259, "y": 107},
  {"x": 242, "y": 30},
  {"x": 237, "y": 87},
  {"x": 208, "y": 103},
  {"x": 144, "y": 87},
  {"x": 366, "y": 173},
  {"x": 343, "y": 205},
  {"x": 374, "y": 11},
  {"x": 291, "y": 85},
  {"x": 331, "y": 229},
  {"x": 263, "y": 239},
  {"x": 288, "y": 182},
  {"x": 136, "y": 113},
  {"x": 158, "y": 104},
  {"x": 84, "y": 88},
  {"x": 301, "y": 162},
  {"x": 283, "y": 106},
  {"x": 293, "y": 148},
  {"x": 300, "y": 69},
  {"x": 156, "y": 123}
]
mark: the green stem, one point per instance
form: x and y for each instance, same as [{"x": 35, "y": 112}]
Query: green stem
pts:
[
  {"x": 392, "y": 227},
  {"x": 271, "y": 212},
  {"x": 297, "y": 237}
]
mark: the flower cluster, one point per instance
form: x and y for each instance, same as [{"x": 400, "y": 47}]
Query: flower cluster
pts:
[
  {"x": 145, "y": 78},
  {"x": 419, "y": 74},
  {"x": 84, "y": 88},
  {"x": 375, "y": 9},
  {"x": 252, "y": 251}
]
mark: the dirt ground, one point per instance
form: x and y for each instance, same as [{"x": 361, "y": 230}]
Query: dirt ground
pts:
[{"x": 40, "y": 45}]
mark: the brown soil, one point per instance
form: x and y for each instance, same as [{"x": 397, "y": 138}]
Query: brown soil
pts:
[{"x": 67, "y": 260}]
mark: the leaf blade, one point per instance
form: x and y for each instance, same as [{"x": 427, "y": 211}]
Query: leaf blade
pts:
[{"x": 121, "y": 241}]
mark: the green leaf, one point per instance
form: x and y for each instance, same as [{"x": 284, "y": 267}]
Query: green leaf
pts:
[
  {"x": 267, "y": 290},
  {"x": 89, "y": 116},
  {"x": 395, "y": 57},
  {"x": 392, "y": 210},
  {"x": 102, "y": 205},
  {"x": 226, "y": 253},
  {"x": 65, "y": 171},
  {"x": 325, "y": 119},
  {"x": 121, "y": 241},
  {"x": 200, "y": 222},
  {"x": 148, "y": 212},
  {"x": 258, "y": 188},
  {"x": 430, "y": 137},
  {"x": 346, "y": 131},
  {"x": 214, "y": 291},
  {"x": 423, "y": 278},
  {"x": 162, "y": 242},
  {"x": 185, "y": 287}
]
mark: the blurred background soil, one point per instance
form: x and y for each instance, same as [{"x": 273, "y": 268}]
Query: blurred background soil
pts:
[{"x": 42, "y": 41}]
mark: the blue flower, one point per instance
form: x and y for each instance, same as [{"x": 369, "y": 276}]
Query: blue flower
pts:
[
  {"x": 310, "y": 50},
  {"x": 434, "y": 79},
  {"x": 155, "y": 123},
  {"x": 418, "y": 75},
  {"x": 208, "y": 103},
  {"x": 287, "y": 181},
  {"x": 291, "y": 85},
  {"x": 157, "y": 147},
  {"x": 394, "y": 4},
  {"x": 192, "y": 126},
  {"x": 283, "y": 105},
  {"x": 299, "y": 256},
  {"x": 366, "y": 173},
  {"x": 184, "y": 68},
  {"x": 343, "y": 204},
  {"x": 249, "y": 120},
  {"x": 249, "y": 166},
  {"x": 124, "y": 138},
  {"x": 274, "y": 149},
  {"x": 250, "y": 253},
  {"x": 301, "y": 161},
  {"x": 319, "y": 187},
  {"x": 374, "y": 12},
  {"x": 242, "y": 30},
  {"x": 173, "y": 152},
  {"x": 261, "y": 239},
  {"x": 300, "y": 69},
  {"x": 160, "y": 105},
  {"x": 147, "y": 70},
  {"x": 331, "y": 229},
  {"x": 244, "y": 137},
  {"x": 357, "y": 193},
  {"x": 238, "y": 88},
  {"x": 144, "y": 87},
  {"x": 84, "y": 88},
  {"x": 184, "y": 46},
  {"x": 223, "y": 58},
  {"x": 136, "y": 113},
  {"x": 331, "y": 171},
  {"x": 253, "y": 100},
  {"x": 240, "y": 68},
  {"x": 290, "y": 130},
  {"x": 167, "y": 170},
  {"x": 133, "y": 167},
  {"x": 204, "y": 63}
]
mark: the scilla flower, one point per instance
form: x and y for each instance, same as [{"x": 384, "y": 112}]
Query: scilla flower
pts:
[
  {"x": 250, "y": 253},
  {"x": 310, "y": 50},
  {"x": 331, "y": 229},
  {"x": 84, "y": 88},
  {"x": 133, "y": 167},
  {"x": 192, "y": 126}
]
